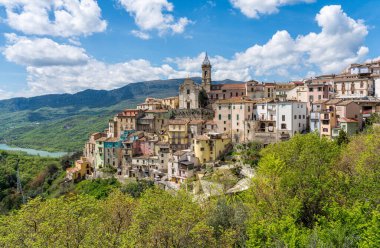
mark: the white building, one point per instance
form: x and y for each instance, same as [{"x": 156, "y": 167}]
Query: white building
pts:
[{"x": 287, "y": 117}]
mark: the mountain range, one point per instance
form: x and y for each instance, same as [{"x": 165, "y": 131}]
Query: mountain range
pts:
[{"x": 62, "y": 122}]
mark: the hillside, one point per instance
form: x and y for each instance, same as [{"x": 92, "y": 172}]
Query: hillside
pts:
[{"x": 62, "y": 122}]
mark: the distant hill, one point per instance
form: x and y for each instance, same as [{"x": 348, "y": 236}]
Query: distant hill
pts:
[
  {"x": 99, "y": 98},
  {"x": 62, "y": 122}
]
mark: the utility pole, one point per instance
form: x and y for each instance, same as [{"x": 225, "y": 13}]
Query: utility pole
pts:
[{"x": 19, "y": 186}]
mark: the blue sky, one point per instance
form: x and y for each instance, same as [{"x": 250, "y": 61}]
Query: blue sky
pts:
[{"x": 58, "y": 46}]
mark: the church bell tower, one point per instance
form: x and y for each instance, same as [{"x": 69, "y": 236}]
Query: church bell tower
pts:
[{"x": 206, "y": 74}]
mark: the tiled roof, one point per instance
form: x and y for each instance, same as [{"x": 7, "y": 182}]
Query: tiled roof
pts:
[
  {"x": 233, "y": 86},
  {"x": 234, "y": 100},
  {"x": 102, "y": 139},
  {"x": 179, "y": 153},
  {"x": 333, "y": 101},
  {"x": 202, "y": 137},
  {"x": 345, "y": 103},
  {"x": 178, "y": 122},
  {"x": 196, "y": 122},
  {"x": 344, "y": 119}
]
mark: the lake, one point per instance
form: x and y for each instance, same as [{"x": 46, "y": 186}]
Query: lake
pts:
[{"x": 5, "y": 147}]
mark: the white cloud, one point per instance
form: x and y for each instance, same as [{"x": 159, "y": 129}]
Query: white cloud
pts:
[
  {"x": 64, "y": 18},
  {"x": 95, "y": 75},
  {"x": 140, "y": 34},
  {"x": 255, "y": 8},
  {"x": 283, "y": 57},
  {"x": 40, "y": 52},
  {"x": 338, "y": 44},
  {"x": 152, "y": 15}
]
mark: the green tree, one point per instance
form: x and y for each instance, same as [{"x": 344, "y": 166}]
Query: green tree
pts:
[
  {"x": 342, "y": 138},
  {"x": 166, "y": 220},
  {"x": 203, "y": 98}
]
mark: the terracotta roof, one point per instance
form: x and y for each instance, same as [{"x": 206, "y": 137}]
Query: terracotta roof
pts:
[
  {"x": 179, "y": 153},
  {"x": 178, "y": 122},
  {"x": 102, "y": 139},
  {"x": 202, "y": 137},
  {"x": 333, "y": 101},
  {"x": 321, "y": 101},
  {"x": 196, "y": 122},
  {"x": 233, "y": 86},
  {"x": 234, "y": 100},
  {"x": 114, "y": 139},
  {"x": 344, "y": 119},
  {"x": 345, "y": 103}
]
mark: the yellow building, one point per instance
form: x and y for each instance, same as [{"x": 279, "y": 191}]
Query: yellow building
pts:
[
  {"x": 178, "y": 134},
  {"x": 171, "y": 102},
  {"x": 81, "y": 169},
  {"x": 210, "y": 147}
]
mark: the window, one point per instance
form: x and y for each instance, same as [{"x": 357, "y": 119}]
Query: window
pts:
[
  {"x": 237, "y": 117},
  {"x": 224, "y": 122},
  {"x": 202, "y": 148},
  {"x": 188, "y": 92},
  {"x": 325, "y": 130},
  {"x": 262, "y": 106},
  {"x": 303, "y": 117},
  {"x": 311, "y": 89},
  {"x": 295, "y": 117},
  {"x": 299, "y": 117},
  {"x": 162, "y": 161},
  {"x": 237, "y": 94},
  {"x": 220, "y": 116},
  {"x": 299, "y": 124},
  {"x": 311, "y": 98},
  {"x": 220, "y": 107},
  {"x": 283, "y": 126},
  {"x": 319, "y": 88},
  {"x": 249, "y": 108},
  {"x": 241, "y": 107},
  {"x": 225, "y": 129},
  {"x": 229, "y": 116},
  {"x": 283, "y": 117}
]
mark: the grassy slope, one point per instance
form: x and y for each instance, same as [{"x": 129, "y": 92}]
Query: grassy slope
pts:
[{"x": 58, "y": 129}]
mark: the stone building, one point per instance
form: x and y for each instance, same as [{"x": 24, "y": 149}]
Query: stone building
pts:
[{"x": 189, "y": 94}]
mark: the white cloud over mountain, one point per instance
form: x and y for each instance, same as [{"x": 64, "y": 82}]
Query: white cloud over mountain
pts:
[
  {"x": 41, "y": 52},
  {"x": 62, "y": 18},
  {"x": 255, "y": 8},
  {"x": 150, "y": 15},
  {"x": 68, "y": 68}
]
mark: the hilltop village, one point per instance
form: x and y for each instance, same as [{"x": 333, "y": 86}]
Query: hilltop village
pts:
[{"x": 172, "y": 140}]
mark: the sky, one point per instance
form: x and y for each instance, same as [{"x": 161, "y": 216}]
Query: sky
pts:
[{"x": 66, "y": 46}]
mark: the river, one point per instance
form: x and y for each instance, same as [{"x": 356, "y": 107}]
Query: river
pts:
[{"x": 5, "y": 147}]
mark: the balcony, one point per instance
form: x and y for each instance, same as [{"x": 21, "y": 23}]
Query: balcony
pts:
[
  {"x": 325, "y": 116},
  {"x": 314, "y": 115}
]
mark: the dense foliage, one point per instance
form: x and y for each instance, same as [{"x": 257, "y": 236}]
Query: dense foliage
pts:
[
  {"x": 37, "y": 175},
  {"x": 307, "y": 192}
]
